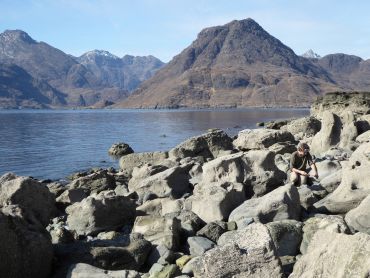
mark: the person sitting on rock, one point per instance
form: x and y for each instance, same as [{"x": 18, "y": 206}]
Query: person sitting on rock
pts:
[{"x": 298, "y": 165}]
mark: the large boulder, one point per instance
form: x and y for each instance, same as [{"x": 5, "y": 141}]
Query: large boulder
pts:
[
  {"x": 335, "y": 255},
  {"x": 173, "y": 182},
  {"x": 209, "y": 145},
  {"x": 282, "y": 203},
  {"x": 26, "y": 249},
  {"x": 124, "y": 252},
  {"x": 303, "y": 127},
  {"x": 329, "y": 135},
  {"x": 358, "y": 219},
  {"x": 82, "y": 270},
  {"x": 94, "y": 182},
  {"x": 252, "y": 139},
  {"x": 128, "y": 162},
  {"x": 120, "y": 149},
  {"x": 330, "y": 223},
  {"x": 255, "y": 169},
  {"x": 349, "y": 130},
  {"x": 102, "y": 212},
  {"x": 159, "y": 230},
  {"x": 250, "y": 253},
  {"x": 29, "y": 194},
  {"x": 214, "y": 201},
  {"x": 354, "y": 187},
  {"x": 326, "y": 168},
  {"x": 287, "y": 236}
]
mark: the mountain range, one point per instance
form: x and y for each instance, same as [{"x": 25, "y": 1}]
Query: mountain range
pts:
[
  {"x": 35, "y": 74},
  {"x": 238, "y": 64}
]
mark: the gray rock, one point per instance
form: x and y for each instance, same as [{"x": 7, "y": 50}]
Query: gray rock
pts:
[
  {"x": 335, "y": 255},
  {"x": 199, "y": 245},
  {"x": 151, "y": 207},
  {"x": 82, "y": 270},
  {"x": 331, "y": 182},
  {"x": 331, "y": 223},
  {"x": 120, "y": 149},
  {"x": 26, "y": 249},
  {"x": 129, "y": 253},
  {"x": 71, "y": 196},
  {"x": 56, "y": 188},
  {"x": 59, "y": 232},
  {"x": 95, "y": 182},
  {"x": 161, "y": 255},
  {"x": 128, "y": 162},
  {"x": 303, "y": 127},
  {"x": 190, "y": 265},
  {"x": 208, "y": 145},
  {"x": 167, "y": 271},
  {"x": 329, "y": 135},
  {"x": 252, "y": 139},
  {"x": 283, "y": 147},
  {"x": 363, "y": 138},
  {"x": 256, "y": 169},
  {"x": 287, "y": 236},
  {"x": 358, "y": 219},
  {"x": 30, "y": 195},
  {"x": 250, "y": 254},
  {"x": 349, "y": 130},
  {"x": 282, "y": 203},
  {"x": 326, "y": 168},
  {"x": 172, "y": 182},
  {"x": 159, "y": 230},
  {"x": 354, "y": 187},
  {"x": 190, "y": 223},
  {"x": 214, "y": 201},
  {"x": 212, "y": 231},
  {"x": 103, "y": 212},
  {"x": 306, "y": 197}
]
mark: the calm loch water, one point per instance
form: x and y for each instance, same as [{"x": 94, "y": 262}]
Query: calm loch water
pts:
[{"x": 51, "y": 144}]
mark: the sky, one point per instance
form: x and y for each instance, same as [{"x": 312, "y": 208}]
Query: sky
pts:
[{"x": 163, "y": 28}]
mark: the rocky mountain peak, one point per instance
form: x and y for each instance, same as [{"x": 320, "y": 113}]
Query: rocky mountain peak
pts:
[
  {"x": 311, "y": 54},
  {"x": 11, "y": 36},
  {"x": 97, "y": 54}
]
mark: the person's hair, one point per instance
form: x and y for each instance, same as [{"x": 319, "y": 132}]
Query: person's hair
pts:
[{"x": 303, "y": 146}]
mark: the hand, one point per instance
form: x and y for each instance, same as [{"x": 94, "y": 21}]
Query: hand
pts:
[
  {"x": 316, "y": 175},
  {"x": 303, "y": 173}
]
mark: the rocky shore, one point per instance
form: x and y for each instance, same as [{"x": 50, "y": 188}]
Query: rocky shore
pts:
[{"x": 213, "y": 206}]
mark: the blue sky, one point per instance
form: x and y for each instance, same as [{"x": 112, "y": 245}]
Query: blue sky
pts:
[{"x": 165, "y": 27}]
